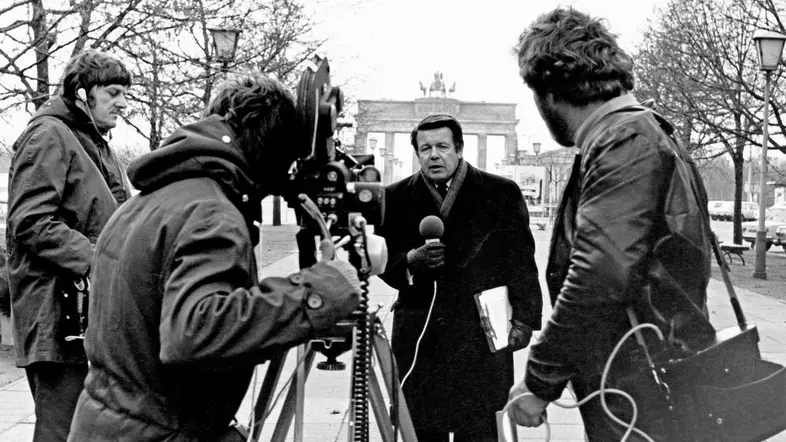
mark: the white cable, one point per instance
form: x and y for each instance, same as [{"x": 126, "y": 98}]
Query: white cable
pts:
[
  {"x": 422, "y": 333},
  {"x": 601, "y": 392}
]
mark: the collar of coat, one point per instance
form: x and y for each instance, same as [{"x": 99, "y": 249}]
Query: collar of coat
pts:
[
  {"x": 613, "y": 105},
  {"x": 456, "y": 181}
]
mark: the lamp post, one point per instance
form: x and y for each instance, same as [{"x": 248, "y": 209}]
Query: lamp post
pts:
[
  {"x": 769, "y": 45},
  {"x": 536, "y": 149},
  {"x": 224, "y": 46}
]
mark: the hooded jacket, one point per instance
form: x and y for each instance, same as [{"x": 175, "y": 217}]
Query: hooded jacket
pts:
[
  {"x": 179, "y": 320},
  {"x": 64, "y": 183}
]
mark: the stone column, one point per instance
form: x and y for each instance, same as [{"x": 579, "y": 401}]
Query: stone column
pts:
[
  {"x": 361, "y": 141},
  {"x": 511, "y": 146},
  {"x": 482, "y": 152},
  {"x": 390, "y": 144}
]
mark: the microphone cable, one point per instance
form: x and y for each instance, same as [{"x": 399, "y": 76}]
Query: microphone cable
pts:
[
  {"x": 422, "y": 333},
  {"x": 602, "y": 391}
]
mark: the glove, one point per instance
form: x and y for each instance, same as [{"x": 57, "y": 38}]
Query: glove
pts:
[
  {"x": 348, "y": 271},
  {"x": 426, "y": 258},
  {"x": 519, "y": 335}
]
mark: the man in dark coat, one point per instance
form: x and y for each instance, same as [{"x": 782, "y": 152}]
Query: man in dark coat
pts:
[
  {"x": 457, "y": 383},
  {"x": 64, "y": 184},
  {"x": 628, "y": 237},
  {"x": 178, "y": 319}
]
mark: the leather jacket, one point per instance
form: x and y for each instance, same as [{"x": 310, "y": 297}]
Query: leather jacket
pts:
[{"x": 631, "y": 232}]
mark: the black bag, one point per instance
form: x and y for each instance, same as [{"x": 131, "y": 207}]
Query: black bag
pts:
[
  {"x": 724, "y": 391},
  {"x": 720, "y": 390}
]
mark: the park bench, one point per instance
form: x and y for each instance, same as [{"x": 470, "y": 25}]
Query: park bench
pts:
[{"x": 733, "y": 249}]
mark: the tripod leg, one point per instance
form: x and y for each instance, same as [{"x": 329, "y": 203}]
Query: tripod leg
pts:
[
  {"x": 386, "y": 364},
  {"x": 265, "y": 396},
  {"x": 300, "y": 396},
  {"x": 288, "y": 409},
  {"x": 378, "y": 405}
]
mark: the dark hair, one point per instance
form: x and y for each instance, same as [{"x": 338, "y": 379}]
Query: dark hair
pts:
[
  {"x": 92, "y": 68},
  {"x": 573, "y": 56},
  {"x": 437, "y": 121},
  {"x": 261, "y": 112}
]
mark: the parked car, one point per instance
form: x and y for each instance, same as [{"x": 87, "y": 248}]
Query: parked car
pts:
[
  {"x": 775, "y": 222},
  {"x": 750, "y": 211},
  {"x": 724, "y": 210},
  {"x": 716, "y": 208}
]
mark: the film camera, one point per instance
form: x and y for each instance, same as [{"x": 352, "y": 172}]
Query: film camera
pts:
[
  {"x": 341, "y": 185},
  {"x": 336, "y": 194}
]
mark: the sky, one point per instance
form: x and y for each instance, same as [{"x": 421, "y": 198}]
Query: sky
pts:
[{"x": 382, "y": 49}]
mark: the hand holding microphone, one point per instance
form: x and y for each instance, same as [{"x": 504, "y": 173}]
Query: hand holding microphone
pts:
[{"x": 430, "y": 256}]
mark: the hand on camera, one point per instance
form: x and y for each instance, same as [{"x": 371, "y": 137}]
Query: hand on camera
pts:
[
  {"x": 328, "y": 300},
  {"x": 519, "y": 335},
  {"x": 427, "y": 258},
  {"x": 348, "y": 271}
]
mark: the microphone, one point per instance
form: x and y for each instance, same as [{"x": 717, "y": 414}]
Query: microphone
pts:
[{"x": 431, "y": 228}]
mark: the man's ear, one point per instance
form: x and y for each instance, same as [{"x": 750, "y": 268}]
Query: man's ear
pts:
[{"x": 550, "y": 99}]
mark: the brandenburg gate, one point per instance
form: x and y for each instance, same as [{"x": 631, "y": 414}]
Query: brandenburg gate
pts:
[{"x": 478, "y": 118}]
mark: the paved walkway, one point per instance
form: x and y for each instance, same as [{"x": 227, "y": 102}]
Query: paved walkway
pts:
[{"x": 327, "y": 392}]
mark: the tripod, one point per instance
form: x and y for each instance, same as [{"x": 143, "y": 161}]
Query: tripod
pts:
[
  {"x": 369, "y": 340},
  {"x": 294, "y": 401}
]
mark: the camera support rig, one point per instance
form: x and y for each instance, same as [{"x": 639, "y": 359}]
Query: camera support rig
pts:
[{"x": 348, "y": 195}]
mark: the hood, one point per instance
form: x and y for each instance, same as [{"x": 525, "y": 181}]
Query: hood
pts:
[
  {"x": 68, "y": 112},
  {"x": 207, "y": 148}
]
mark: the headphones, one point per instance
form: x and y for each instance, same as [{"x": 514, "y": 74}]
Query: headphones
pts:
[{"x": 82, "y": 94}]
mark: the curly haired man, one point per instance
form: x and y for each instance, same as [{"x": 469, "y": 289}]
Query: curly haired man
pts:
[{"x": 606, "y": 257}]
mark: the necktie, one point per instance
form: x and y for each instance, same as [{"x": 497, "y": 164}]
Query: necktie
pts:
[{"x": 442, "y": 189}]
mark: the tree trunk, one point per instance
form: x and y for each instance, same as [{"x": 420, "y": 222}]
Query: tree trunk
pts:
[
  {"x": 43, "y": 42},
  {"x": 739, "y": 165},
  {"x": 155, "y": 109}
]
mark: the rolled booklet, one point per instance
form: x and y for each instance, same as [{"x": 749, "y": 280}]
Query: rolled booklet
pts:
[{"x": 495, "y": 312}]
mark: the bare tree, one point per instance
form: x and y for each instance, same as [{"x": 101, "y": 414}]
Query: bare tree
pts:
[
  {"x": 33, "y": 36},
  {"x": 698, "y": 62},
  {"x": 167, "y": 45},
  {"x": 171, "y": 53}
]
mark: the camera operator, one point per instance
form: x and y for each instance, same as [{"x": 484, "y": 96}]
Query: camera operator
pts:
[{"x": 177, "y": 318}]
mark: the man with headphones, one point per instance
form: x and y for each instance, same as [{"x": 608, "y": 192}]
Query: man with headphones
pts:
[{"x": 64, "y": 184}]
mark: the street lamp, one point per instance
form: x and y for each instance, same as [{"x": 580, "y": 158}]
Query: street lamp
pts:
[
  {"x": 224, "y": 45},
  {"x": 372, "y": 144},
  {"x": 522, "y": 155},
  {"x": 769, "y": 45},
  {"x": 536, "y": 149}
]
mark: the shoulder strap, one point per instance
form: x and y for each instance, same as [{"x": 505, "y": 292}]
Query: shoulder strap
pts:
[{"x": 679, "y": 151}]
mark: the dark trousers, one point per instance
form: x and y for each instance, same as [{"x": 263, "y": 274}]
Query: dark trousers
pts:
[
  {"x": 56, "y": 388},
  {"x": 486, "y": 433}
]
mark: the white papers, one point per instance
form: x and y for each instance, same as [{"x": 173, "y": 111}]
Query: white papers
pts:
[{"x": 495, "y": 312}]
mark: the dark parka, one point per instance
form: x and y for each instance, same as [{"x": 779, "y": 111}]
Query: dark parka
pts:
[
  {"x": 457, "y": 381},
  {"x": 628, "y": 234},
  {"x": 179, "y": 320},
  {"x": 64, "y": 184}
]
